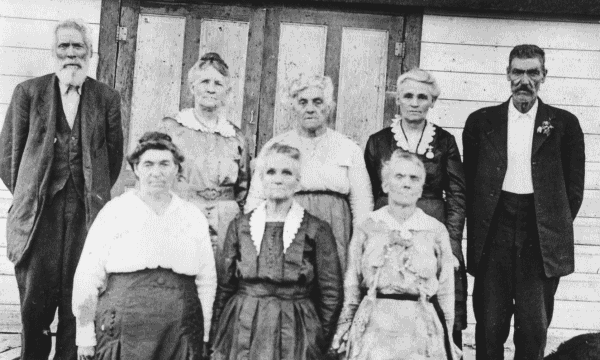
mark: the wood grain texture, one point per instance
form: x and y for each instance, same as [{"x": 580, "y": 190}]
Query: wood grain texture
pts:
[
  {"x": 40, "y": 33},
  {"x": 88, "y": 10},
  {"x": 107, "y": 44},
  {"x": 412, "y": 39},
  {"x": 362, "y": 83},
  {"x": 230, "y": 40}
]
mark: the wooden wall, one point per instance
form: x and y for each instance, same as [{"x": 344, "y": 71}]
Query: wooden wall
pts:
[
  {"x": 468, "y": 56},
  {"x": 26, "y": 39}
]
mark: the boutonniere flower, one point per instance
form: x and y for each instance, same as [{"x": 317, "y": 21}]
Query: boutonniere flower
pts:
[
  {"x": 401, "y": 237},
  {"x": 545, "y": 128}
]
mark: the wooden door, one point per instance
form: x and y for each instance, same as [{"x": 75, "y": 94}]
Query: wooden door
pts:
[
  {"x": 163, "y": 42},
  {"x": 362, "y": 53}
]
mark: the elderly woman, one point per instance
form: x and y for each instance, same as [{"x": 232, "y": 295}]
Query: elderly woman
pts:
[
  {"x": 335, "y": 184},
  {"x": 215, "y": 177},
  {"x": 146, "y": 281},
  {"x": 444, "y": 189},
  {"x": 399, "y": 287},
  {"x": 281, "y": 290}
]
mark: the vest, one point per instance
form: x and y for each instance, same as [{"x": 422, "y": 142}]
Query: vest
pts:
[{"x": 68, "y": 158}]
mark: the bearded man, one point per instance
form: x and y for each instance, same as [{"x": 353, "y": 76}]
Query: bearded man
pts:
[
  {"x": 524, "y": 166},
  {"x": 61, "y": 149}
]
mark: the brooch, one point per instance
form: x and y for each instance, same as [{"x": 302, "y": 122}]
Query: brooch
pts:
[
  {"x": 545, "y": 128},
  {"x": 429, "y": 152},
  {"x": 401, "y": 237}
]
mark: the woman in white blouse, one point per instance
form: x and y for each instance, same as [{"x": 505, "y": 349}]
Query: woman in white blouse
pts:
[
  {"x": 146, "y": 281},
  {"x": 335, "y": 185}
]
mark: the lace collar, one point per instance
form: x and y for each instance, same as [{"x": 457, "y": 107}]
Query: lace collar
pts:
[
  {"x": 428, "y": 134},
  {"x": 418, "y": 221},
  {"x": 290, "y": 227},
  {"x": 188, "y": 119}
]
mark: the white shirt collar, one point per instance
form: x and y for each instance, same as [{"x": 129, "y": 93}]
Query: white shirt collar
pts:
[
  {"x": 64, "y": 87},
  {"x": 188, "y": 118},
  {"x": 513, "y": 113},
  {"x": 292, "y": 223}
]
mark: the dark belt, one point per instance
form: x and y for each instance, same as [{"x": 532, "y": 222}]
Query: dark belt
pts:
[
  {"x": 212, "y": 194},
  {"x": 323, "y": 192},
  {"x": 438, "y": 309},
  {"x": 280, "y": 291}
]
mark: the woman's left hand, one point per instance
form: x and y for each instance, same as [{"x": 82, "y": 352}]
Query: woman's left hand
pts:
[
  {"x": 338, "y": 345},
  {"x": 86, "y": 352}
]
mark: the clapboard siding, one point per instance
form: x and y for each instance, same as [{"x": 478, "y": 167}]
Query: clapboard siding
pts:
[
  {"x": 88, "y": 10},
  {"x": 37, "y": 34},
  {"x": 31, "y": 62}
]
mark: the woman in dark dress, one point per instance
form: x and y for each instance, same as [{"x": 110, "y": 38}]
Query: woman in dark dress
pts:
[
  {"x": 444, "y": 190},
  {"x": 281, "y": 291}
]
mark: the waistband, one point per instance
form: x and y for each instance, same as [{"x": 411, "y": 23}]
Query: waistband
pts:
[
  {"x": 405, "y": 297},
  {"x": 523, "y": 198},
  {"x": 281, "y": 291},
  {"x": 150, "y": 278},
  {"x": 212, "y": 194}
]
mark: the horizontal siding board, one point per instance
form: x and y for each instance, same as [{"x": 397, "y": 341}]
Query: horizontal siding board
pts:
[
  {"x": 494, "y": 60},
  {"x": 454, "y": 113},
  {"x": 10, "y": 319},
  {"x": 33, "y": 62},
  {"x": 39, "y": 33},
  {"x": 508, "y": 32},
  {"x": 88, "y": 10},
  {"x": 9, "y": 293},
  {"x": 496, "y": 88}
]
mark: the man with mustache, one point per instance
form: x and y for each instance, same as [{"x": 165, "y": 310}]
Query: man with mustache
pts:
[
  {"x": 524, "y": 167},
  {"x": 61, "y": 150}
]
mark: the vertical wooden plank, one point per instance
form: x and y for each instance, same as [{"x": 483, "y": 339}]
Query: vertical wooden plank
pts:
[
  {"x": 301, "y": 51},
  {"x": 130, "y": 10},
  {"x": 361, "y": 95},
  {"x": 254, "y": 67},
  {"x": 394, "y": 69},
  {"x": 157, "y": 74},
  {"x": 332, "y": 63},
  {"x": 191, "y": 45},
  {"x": 107, "y": 44},
  {"x": 230, "y": 40},
  {"x": 412, "y": 40}
]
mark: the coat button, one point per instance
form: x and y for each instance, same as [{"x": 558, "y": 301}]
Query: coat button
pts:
[
  {"x": 73, "y": 138},
  {"x": 160, "y": 281}
]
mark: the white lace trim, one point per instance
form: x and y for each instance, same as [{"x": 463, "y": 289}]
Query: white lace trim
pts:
[
  {"x": 187, "y": 118},
  {"x": 428, "y": 134},
  {"x": 292, "y": 223},
  {"x": 417, "y": 221}
]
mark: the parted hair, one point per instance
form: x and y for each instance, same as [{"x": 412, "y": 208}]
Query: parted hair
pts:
[
  {"x": 154, "y": 140},
  {"x": 80, "y": 26},
  {"x": 527, "y": 51},
  {"x": 278, "y": 148},
  {"x": 209, "y": 59},
  {"x": 398, "y": 154},
  {"x": 304, "y": 82},
  {"x": 421, "y": 76}
]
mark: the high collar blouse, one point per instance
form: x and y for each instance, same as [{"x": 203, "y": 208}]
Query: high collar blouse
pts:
[{"x": 128, "y": 236}]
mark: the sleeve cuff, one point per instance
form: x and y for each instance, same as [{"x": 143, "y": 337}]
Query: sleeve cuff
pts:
[{"x": 85, "y": 335}]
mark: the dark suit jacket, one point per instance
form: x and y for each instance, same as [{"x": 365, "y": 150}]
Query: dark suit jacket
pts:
[
  {"x": 27, "y": 151},
  {"x": 557, "y": 166}
]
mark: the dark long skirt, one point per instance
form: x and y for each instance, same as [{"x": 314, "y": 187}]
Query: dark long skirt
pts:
[
  {"x": 266, "y": 321},
  {"x": 149, "y": 314}
]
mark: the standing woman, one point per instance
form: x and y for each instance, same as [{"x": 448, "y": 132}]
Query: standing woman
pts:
[
  {"x": 281, "y": 288},
  {"x": 215, "y": 175},
  {"x": 146, "y": 281},
  {"x": 334, "y": 183},
  {"x": 444, "y": 190}
]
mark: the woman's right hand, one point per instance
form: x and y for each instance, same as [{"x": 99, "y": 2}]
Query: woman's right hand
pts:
[
  {"x": 338, "y": 345},
  {"x": 85, "y": 352}
]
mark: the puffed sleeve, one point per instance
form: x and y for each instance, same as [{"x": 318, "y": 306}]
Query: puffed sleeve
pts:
[
  {"x": 361, "y": 197},
  {"x": 90, "y": 276},
  {"x": 329, "y": 279},
  {"x": 352, "y": 281},
  {"x": 206, "y": 280},
  {"x": 445, "y": 262},
  {"x": 454, "y": 187},
  {"x": 228, "y": 280}
]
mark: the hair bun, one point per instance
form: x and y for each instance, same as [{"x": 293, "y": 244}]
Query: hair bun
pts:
[
  {"x": 152, "y": 136},
  {"x": 213, "y": 56}
]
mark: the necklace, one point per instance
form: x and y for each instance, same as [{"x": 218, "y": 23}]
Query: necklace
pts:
[{"x": 406, "y": 137}]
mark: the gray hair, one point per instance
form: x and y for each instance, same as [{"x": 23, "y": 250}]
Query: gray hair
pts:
[
  {"x": 303, "y": 82},
  {"x": 398, "y": 154},
  {"x": 283, "y": 149},
  {"x": 79, "y": 25},
  {"x": 421, "y": 76}
]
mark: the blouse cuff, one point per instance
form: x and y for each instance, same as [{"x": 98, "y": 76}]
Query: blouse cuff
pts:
[{"x": 85, "y": 335}]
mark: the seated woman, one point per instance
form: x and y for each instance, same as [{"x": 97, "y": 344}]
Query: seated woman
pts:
[
  {"x": 146, "y": 281},
  {"x": 281, "y": 290},
  {"x": 399, "y": 287}
]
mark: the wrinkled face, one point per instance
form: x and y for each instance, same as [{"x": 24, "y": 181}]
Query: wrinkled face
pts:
[
  {"x": 72, "y": 55},
  {"x": 281, "y": 177},
  {"x": 210, "y": 88},
  {"x": 414, "y": 100},
  {"x": 156, "y": 171},
  {"x": 404, "y": 185},
  {"x": 311, "y": 109},
  {"x": 525, "y": 76}
]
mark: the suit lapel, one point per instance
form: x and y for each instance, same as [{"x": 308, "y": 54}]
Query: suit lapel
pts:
[
  {"x": 497, "y": 131},
  {"x": 541, "y": 116},
  {"x": 47, "y": 109},
  {"x": 88, "y": 115}
]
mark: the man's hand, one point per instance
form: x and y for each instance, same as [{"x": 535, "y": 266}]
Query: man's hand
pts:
[{"x": 86, "y": 352}]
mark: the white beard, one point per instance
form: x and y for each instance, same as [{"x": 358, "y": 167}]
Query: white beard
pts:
[{"x": 72, "y": 75}]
